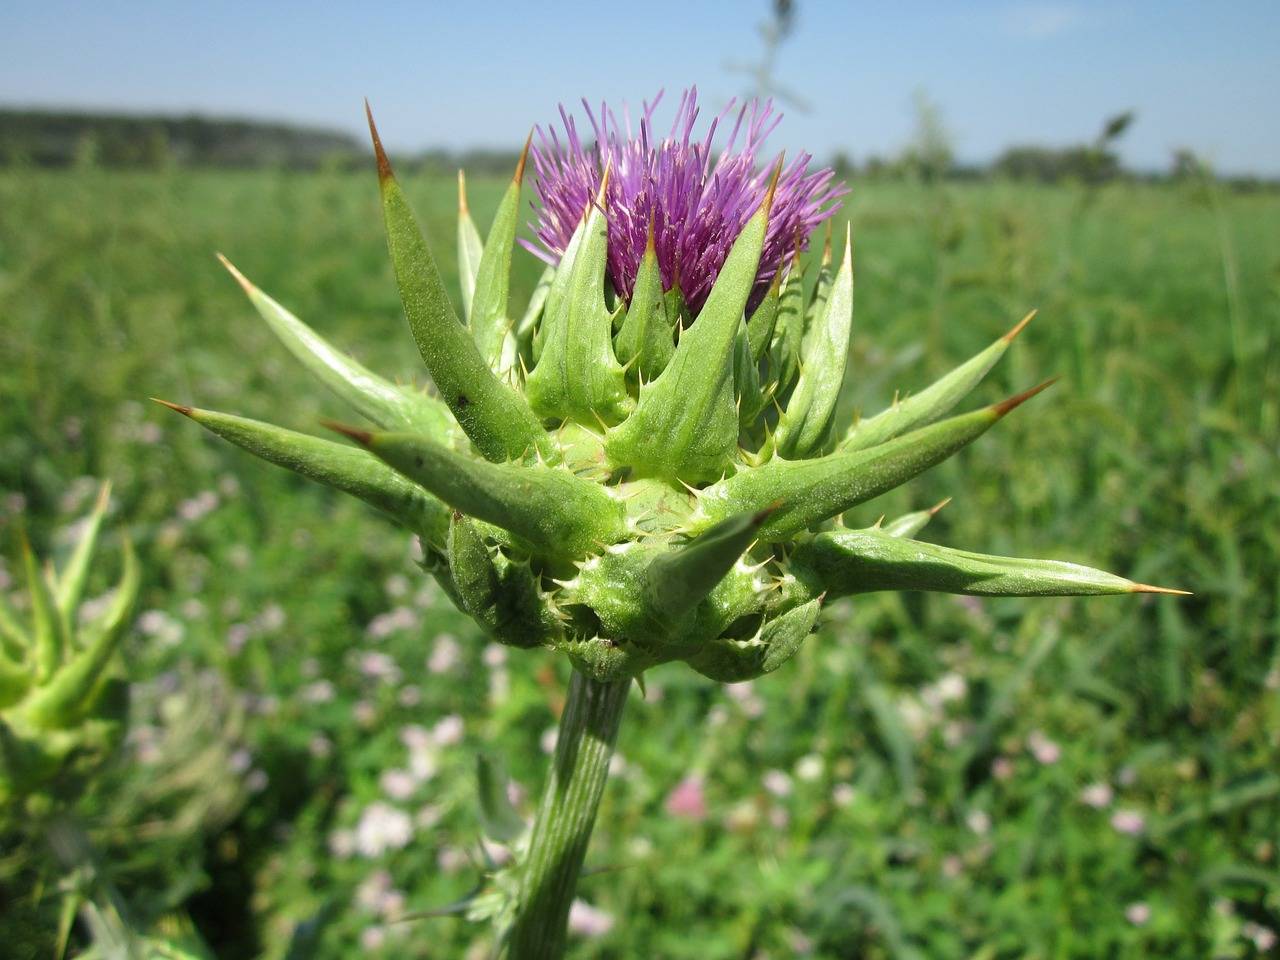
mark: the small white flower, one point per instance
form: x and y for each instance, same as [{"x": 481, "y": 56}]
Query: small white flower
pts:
[
  {"x": 398, "y": 784},
  {"x": 1137, "y": 913},
  {"x": 548, "y": 740},
  {"x": 1097, "y": 795},
  {"x": 777, "y": 783},
  {"x": 979, "y": 821},
  {"x": 1043, "y": 749},
  {"x": 587, "y": 921},
  {"x": 810, "y": 767},
  {"x": 448, "y": 731},
  {"x": 843, "y": 794},
  {"x": 319, "y": 692},
  {"x": 342, "y": 843},
  {"x": 1128, "y": 822},
  {"x": 495, "y": 655},
  {"x": 445, "y": 655},
  {"x": 382, "y": 827}
]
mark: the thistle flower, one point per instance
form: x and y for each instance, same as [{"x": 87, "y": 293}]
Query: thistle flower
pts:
[
  {"x": 628, "y": 479},
  {"x": 62, "y": 699},
  {"x": 694, "y": 202}
]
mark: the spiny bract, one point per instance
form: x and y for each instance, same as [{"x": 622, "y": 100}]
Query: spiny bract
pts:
[
  {"x": 63, "y": 699},
  {"x": 631, "y": 484}
]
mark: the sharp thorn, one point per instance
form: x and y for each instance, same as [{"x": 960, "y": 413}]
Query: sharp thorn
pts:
[
  {"x": 185, "y": 411},
  {"x": 1017, "y": 329},
  {"x": 1148, "y": 588},
  {"x": 933, "y": 511},
  {"x": 1004, "y": 406},
  {"x": 384, "y": 165},
  {"x": 362, "y": 437}
]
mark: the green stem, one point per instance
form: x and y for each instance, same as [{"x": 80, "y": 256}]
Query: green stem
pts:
[{"x": 588, "y": 730}]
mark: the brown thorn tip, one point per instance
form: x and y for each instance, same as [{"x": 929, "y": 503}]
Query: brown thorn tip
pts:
[
  {"x": 185, "y": 411},
  {"x": 604, "y": 183},
  {"x": 462, "y": 192},
  {"x": 773, "y": 184},
  {"x": 384, "y": 165},
  {"x": 240, "y": 278},
  {"x": 524, "y": 158},
  {"x": 362, "y": 437},
  {"x": 1008, "y": 337},
  {"x": 933, "y": 511},
  {"x": 1004, "y": 406},
  {"x": 1148, "y": 588}
]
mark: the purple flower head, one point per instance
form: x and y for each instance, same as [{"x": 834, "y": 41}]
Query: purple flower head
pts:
[{"x": 696, "y": 202}]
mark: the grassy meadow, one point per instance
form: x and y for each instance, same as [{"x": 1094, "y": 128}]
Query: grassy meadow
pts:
[{"x": 931, "y": 777}]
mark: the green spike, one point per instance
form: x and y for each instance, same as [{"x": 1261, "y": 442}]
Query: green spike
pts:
[
  {"x": 686, "y": 424},
  {"x": 861, "y": 561},
  {"x": 909, "y": 524},
  {"x": 14, "y": 639},
  {"x": 577, "y": 376},
  {"x": 384, "y": 403},
  {"x": 335, "y": 465},
  {"x": 533, "y": 313},
  {"x": 561, "y": 516},
  {"x": 48, "y": 629},
  {"x": 56, "y": 703},
  {"x": 821, "y": 288},
  {"x": 15, "y": 679},
  {"x": 810, "y": 491},
  {"x": 646, "y": 340},
  {"x": 747, "y": 390},
  {"x": 764, "y": 320},
  {"x": 932, "y": 402},
  {"x": 733, "y": 661},
  {"x": 490, "y": 309},
  {"x": 495, "y": 417},
  {"x": 788, "y": 334},
  {"x": 470, "y": 248},
  {"x": 501, "y": 594},
  {"x": 70, "y": 584},
  {"x": 805, "y": 425},
  {"x": 677, "y": 580}
]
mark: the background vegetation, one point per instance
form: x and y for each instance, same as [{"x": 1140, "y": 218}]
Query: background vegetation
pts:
[{"x": 932, "y": 777}]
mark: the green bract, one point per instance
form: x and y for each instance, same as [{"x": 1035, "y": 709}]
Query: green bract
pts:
[
  {"x": 62, "y": 699},
  {"x": 626, "y": 483}
]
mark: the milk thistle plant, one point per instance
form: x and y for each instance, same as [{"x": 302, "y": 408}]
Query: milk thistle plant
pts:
[{"x": 645, "y": 464}]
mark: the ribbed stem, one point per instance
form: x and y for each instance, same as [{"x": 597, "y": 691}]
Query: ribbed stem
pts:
[{"x": 588, "y": 730}]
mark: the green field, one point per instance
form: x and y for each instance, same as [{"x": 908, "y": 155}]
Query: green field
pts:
[{"x": 910, "y": 786}]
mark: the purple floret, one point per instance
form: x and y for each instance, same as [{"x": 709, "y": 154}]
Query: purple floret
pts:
[{"x": 697, "y": 202}]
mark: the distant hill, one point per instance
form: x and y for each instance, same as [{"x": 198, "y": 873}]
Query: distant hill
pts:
[{"x": 50, "y": 138}]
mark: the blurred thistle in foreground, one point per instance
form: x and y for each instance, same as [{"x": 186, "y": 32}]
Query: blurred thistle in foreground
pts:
[
  {"x": 64, "y": 706},
  {"x": 63, "y": 696},
  {"x": 645, "y": 464}
]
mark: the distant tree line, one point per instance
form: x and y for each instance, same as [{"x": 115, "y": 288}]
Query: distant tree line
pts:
[{"x": 63, "y": 139}]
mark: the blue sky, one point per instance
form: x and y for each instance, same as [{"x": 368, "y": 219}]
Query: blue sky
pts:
[{"x": 459, "y": 74}]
